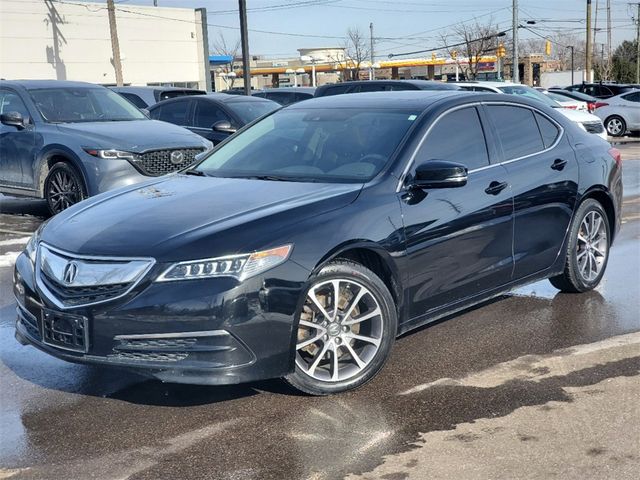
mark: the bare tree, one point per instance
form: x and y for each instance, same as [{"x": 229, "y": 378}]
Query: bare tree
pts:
[
  {"x": 231, "y": 49},
  {"x": 356, "y": 51},
  {"x": 471, "y": 41}
]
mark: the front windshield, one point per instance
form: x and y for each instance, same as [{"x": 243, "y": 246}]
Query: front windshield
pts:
[
  {"x": 249, "y": 111},
  {"x": 529, "y": 93},
  {"x": 322, "y": 145},
  {"x": 83, "y": 104}
]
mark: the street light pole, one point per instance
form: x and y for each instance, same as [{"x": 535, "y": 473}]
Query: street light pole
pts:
[
  {"x": 246, "y": 74},
  {"x": 515, "y": 67},
  {"x": 587, "y": 59},
  {"x": 371, "y": 51},
  {"x": 572, "y": 67}
]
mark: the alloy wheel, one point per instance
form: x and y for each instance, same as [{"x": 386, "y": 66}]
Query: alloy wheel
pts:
[
  {"x": 63, "y": 191},
  {"x": 340, "y": 330},
  {"x": 592, "y": 247},
  {"x": 614, "y": 127}
]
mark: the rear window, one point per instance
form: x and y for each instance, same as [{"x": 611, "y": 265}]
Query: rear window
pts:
[
  {"x": 135, "y": 99},
  {"x": 517, "y": 130}
]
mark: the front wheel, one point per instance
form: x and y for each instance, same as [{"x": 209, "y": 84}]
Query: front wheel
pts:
[
  {"x": 346, "y": 329},
  {"x": 63, "y": 187},
  {"x": 615, "y": 126},
  {"x": 588, "y": 250}
]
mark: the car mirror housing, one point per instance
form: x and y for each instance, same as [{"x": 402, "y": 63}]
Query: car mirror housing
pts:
[
  {"x": 439, "y": 174},
  {"x": 223, "y": 126},
  {"x": 14, "y": 119}
]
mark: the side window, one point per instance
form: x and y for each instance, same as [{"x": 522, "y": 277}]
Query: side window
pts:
[
  {"x": 632, "y": 97},
  {"x": 174, "y": 112},
  {"x": 457, "y": 137},
  {"x": 517, "y": 130},
  {"x": 605, "y": 92},
  {"x": 398, "y": 87},
  {"x": 337, "y": 90},
  {"x": 548, "y": 130},
  {"x": 283, "y": 98},
  {"x": 135, "y": 99},
  {"x": 590, "y": 90},
  {"x": 208, "y": 113},
  {"x": 370, "y": 87},
  {"x": 11, "y": 102},
  {"x": 302, "y": 96}
]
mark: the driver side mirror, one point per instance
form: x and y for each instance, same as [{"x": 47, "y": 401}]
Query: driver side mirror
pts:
[
  {"x": 439, "y": 174},
  {"x": 223, "y": 126},
  {"x": 13, "y": 119}
]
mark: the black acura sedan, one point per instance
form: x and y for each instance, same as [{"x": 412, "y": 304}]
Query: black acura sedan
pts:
[{"x": 302, "y": 246}]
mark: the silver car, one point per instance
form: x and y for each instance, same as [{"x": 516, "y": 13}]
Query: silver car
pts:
[{"x": 620, "y": 113}]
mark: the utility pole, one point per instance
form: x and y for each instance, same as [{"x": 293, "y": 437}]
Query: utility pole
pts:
[
  {"x": 515, "y": 67},
  {"x": 115, "y": 45},
  {"x": 246, "y": 74},
  {"x": 608, "y": 37},
  {"x": 572, "y": 66},
  {"x": 638, "y": 45},
  {"x": 587, "y": 58},
  {"x": 371, "y": 50}
]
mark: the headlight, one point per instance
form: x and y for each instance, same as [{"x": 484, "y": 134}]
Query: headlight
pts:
[
  {"x": 110, "y": 154},
  {"x": 32, "y": 245},
  {"x": 582, "y": 126},
  {"x": 236, "y": 266}
]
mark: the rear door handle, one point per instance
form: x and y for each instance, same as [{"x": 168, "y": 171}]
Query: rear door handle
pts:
[
  {"x": 495, "y": 188},
  {"x": 559, "y": 164}
]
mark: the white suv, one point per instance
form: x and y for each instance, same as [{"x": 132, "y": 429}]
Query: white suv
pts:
[{"x": 586, "y": 121}]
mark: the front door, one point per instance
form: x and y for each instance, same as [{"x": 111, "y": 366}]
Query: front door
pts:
[
  {"x": 17, "y": 145},
  {"x": 459, "y": 240},
  {"x": 207, "y": 114}
]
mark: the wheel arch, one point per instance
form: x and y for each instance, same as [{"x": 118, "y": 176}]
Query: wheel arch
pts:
[
  {"x": 52, "y": 155},
  {"x": 603, "y": 197}
]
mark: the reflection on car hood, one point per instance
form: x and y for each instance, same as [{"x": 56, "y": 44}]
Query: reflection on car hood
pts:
[
  {"x": 183, "y": 217},
  {"x": 132, "y": 136}
]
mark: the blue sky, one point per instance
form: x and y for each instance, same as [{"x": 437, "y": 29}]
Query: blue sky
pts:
[{"x": 403, "y": 25}]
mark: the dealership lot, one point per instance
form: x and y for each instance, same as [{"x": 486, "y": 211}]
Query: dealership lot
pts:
[{"x": 536, "y": 384}]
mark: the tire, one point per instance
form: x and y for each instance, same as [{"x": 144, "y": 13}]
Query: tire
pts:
[
  {"x": 365, "y": 326},
  {"x": 588, "y": 249},
  {"x": 63, "y": 187},
  {"x": 615, "y": 126}
]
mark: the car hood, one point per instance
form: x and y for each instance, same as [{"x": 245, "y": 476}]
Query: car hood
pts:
[
  {"x": 579, "y": 116},
  {"x": 182, "y": 217},
  {"x": 132, "y": 136}
]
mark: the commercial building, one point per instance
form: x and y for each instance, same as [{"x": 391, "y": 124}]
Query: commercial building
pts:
[{"x": 72, "y": 41}]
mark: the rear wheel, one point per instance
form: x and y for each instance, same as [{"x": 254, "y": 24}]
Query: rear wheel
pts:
[
  {"x": 63, "y": 187},
  {"x": 588, "y": 250},
  {"x": 616, "y": 127},
  {"x": 346, "y": 329}
]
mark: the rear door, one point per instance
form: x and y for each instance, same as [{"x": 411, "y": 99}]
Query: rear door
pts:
[{"x": 543, "y": 172}]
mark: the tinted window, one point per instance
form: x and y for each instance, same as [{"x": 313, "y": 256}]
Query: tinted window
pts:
[
  {"x": 517, "y": 130},
  {"x": 604, "y": 91},
  {"x": 336, "y": 90},
  {"x": 371, "y": 87},
  {"x": 457, "y": 137},
  {"x": 174, "y": 112},
  {"x": 208, "y": 113},
  {"x": 303, "y": 96},
  {"x": 548, "y": 130},
  {"x": 249, "y": 111},
  {"x": 400, "y": 87},
  {"x": 11, "y": 102},
  {"x": 167, "y": 94},
  {"x": 632, "y": 97},
  {"x": 283, "y": 98},
  {"x": 135, "y": 99},
  {"x": 327, "y": 145}
]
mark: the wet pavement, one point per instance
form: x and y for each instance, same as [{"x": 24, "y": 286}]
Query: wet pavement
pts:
[{"x": 535, "y": 384}]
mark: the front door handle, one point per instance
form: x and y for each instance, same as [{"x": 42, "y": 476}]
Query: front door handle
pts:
[
  {"x": 495, "y": 188},
  {"x": 558, "y": 164}
]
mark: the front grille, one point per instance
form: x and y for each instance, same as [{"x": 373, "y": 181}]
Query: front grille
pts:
[
  {"x": 74, "y": 296},
  {"x": 149, "y": 357},
  {"x": 593, "y": 127},
  {"x": 161, "y": 162}
]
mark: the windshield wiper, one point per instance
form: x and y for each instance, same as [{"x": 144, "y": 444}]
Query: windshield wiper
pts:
[
  {"x": 197, "y": 173},
  {"x": 277, "y": 178}
]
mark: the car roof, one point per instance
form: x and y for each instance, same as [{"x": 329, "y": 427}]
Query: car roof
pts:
[
  {"x": 402, "y": 99},
  {"x": 310, "y": 90},
  {"x": 214, "y": 97},
  {"x": 151, "y": 88},
  {"x": 418, "y": 83},
  {"x": 36, "y": 84}
]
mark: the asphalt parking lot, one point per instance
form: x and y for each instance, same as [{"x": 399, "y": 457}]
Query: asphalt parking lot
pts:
[{"x": 533, "y": 385}]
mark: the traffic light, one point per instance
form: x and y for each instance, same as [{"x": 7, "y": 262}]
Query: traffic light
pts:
[
  {"x": 501, "y": 51},
  {"x": 454, "y": 54},
  {"x": 547, "y": 47},
  {"x": 433, "y": 56}
]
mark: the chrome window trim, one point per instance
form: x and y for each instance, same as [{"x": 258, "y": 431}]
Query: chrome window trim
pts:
[
  {"x": 59, "y": 304},
  {"x": 504, "y": 162}
]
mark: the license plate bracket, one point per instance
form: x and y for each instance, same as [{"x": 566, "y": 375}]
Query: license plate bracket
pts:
[{"x": 65, "y": 330}]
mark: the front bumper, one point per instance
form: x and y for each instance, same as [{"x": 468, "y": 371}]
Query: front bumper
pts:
[{"x": 210, "y": 331}]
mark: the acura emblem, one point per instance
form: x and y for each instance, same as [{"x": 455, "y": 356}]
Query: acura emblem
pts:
[
  {"x": 70, "y": 272},
  {"x": 177, "y": 157}
]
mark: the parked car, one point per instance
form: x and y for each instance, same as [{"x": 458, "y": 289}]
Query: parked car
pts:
[
  {"x": 215, "y": 116},
  {"x": 360, "y": 86},
  {"x": 144, "y": 97},
  {"x": 303, "y": 245},
  {"x": 602, "y": 90},
  {"x": 286, "y": 96},
  {"x": 585, "y": 120},
  {"x": 65, "y": 141},
  {"x": 566, "y": 102},
  {"x": 621, "y": 113},
  {"x": 582, "y": 97}
]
